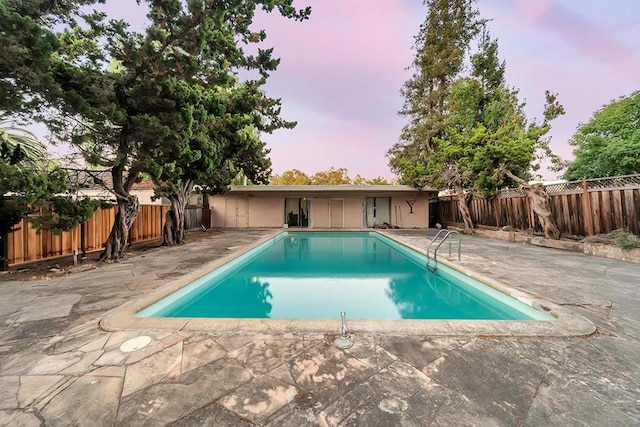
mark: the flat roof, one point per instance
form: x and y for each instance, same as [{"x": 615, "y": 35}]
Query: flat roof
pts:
[{"x": 328, "y": 189}]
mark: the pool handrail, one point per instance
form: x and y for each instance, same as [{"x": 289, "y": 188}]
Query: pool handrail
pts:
[{"x": 435, "y": 252}]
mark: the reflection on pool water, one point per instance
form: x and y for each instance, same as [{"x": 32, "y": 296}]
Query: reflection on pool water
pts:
[{"x": 315, "y": 275}]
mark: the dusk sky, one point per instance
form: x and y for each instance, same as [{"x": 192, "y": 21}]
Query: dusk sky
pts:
[{"x": 341, "y": 71}]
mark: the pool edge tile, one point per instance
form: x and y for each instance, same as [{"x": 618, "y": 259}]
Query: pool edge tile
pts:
[{"x": 565, "y": 324}]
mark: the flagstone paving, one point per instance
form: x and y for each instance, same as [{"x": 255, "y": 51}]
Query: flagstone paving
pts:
[{"x": 57, "y": 368}]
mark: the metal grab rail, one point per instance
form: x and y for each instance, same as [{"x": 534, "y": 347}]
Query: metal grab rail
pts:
[
  {"x": 433, "y": 241},
  {"x": 435, "y": 252}
]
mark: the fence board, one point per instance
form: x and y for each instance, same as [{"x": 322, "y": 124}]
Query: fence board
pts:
[
  {"x": 193, "y": 217},
  {"x": 595, "y": 204},
  {"x": 576, "y": 214},
  {"x": 606, "y": 211},
  {"x": 616, "y": 205},
  {"x": 631, "y": 211},
  {"x": 28, "y": 245},
  {"x": 577, "y": 208}
]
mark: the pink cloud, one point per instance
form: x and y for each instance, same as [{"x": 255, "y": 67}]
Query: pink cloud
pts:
[
  {"x": 347, "y": 59},
  {"x": 590, "y": 41},
  {"x": 342, "y": 71},
  {"x": 532, "y": 9}
]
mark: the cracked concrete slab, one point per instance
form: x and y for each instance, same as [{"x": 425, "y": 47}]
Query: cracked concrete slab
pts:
[
  {"x": 19, "y": 419},
  {"x": 166, "y": 402},
  {"x": 48, "y": 307},
  {"x": 65, "y": 371},
  {"x": 32, "y": 387},
  {"x": 153, "y": 369},
  {"x": 262, "y": 355},
  {"x": 212, "y": 415},
  {"x": 89, "y": 401},
  {"x": 260, "y": 398},
  {"x": 200, "y": 351}
]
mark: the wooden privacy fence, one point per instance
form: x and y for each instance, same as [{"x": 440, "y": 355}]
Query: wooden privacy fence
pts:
[
  {"x": 27, "y": 245},
  {"x": 193, "y": 217},
  {"x": 580, "y": 208}
]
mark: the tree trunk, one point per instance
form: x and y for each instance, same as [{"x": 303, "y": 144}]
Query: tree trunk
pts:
[
  {"x": 540, "y": 204},
  {"x": 173, "y": 232},
  {"x": 463, "y": 207},
  {"x": 167, "y": 230},
  {"x": 114, "y": 247}
]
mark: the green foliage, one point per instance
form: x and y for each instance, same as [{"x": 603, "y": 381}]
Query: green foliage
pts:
[
  {"x": 165, "y": 101},
  {"x": 609, "y": 143},
  {"x": 64, "y": 213},
  {"x": 122, "y": 94},
  {"x": 480, "y": 129},
  {"x": 291, "y": 177},
  {"x": 441, "y": 46},
  {"x": 333, "y": 176},
  {"x": 29, "y": 44},
  {"x": 204, "y": 124},
  {"x": 23, "y": 187},
  {"x": 359, "y": 180},
  {"x": 625, "y": 240},
  {"x": 27, "y": 150},
  {"x": 377, "y": 181},
  {"x": 29, "y": 187}
]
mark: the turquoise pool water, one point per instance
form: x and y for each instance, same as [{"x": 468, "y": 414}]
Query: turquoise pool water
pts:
[{"x": 315, "y": 275}]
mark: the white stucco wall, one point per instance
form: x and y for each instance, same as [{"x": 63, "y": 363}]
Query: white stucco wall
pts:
[
  {"x": 320, "y": 212},
  {"x": 267, "y": 210},
  {"x": 401, "y": 212}
]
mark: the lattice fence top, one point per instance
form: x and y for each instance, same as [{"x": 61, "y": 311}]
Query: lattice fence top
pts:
[
  {"x": 511, "y": 192},
  {"x": 628, "y": 181},
  {"x": 615, "y": 182}
]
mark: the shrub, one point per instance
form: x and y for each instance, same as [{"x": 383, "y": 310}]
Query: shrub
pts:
[{"x": 625, "y": 240}]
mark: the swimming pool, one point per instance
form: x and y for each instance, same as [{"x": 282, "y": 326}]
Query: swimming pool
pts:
[{"x": 315, "y": 275}]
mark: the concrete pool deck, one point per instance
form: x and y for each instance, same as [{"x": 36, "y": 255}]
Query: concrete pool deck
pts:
[{"x": 58, "y": 368}]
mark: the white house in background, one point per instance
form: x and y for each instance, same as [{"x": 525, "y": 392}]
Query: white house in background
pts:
[
  {"x": 144, "y": 191},
  {"x": 90, "y": 186},
  {"x": 321, "y": 206}
]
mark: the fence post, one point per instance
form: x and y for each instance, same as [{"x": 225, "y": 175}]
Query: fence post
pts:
[
  {"x": 586, "y": 203},
  {"x": 206, "y": 213},
  {"x": 83, "y": 237},
  {"x": 4, "y": 252}
]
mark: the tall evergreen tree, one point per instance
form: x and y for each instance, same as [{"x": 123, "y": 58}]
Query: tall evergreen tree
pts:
[
  {"x": 126, "y": 113},
  {"x": 212, "y": 126},
  {"x": 488, "y": 142},
  {"x": 29, "y": 45},
  {"x": 469, "y": 133},
  {"x": 33, "y": 190},
  {"x": 441, "y": 47}
]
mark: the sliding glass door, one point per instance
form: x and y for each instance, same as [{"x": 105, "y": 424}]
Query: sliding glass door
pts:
[
  {"x": 296, "y": 211},
  {"x": 377, "y": 211}
]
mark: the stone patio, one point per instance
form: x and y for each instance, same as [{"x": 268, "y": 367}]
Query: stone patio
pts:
[{"x": 58, "y": 368}]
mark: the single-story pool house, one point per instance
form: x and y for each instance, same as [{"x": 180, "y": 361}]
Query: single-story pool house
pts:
[{"x": 321, "y": 206}]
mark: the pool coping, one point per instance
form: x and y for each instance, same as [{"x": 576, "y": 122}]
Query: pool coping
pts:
[{"x": 565, "y": 324}]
